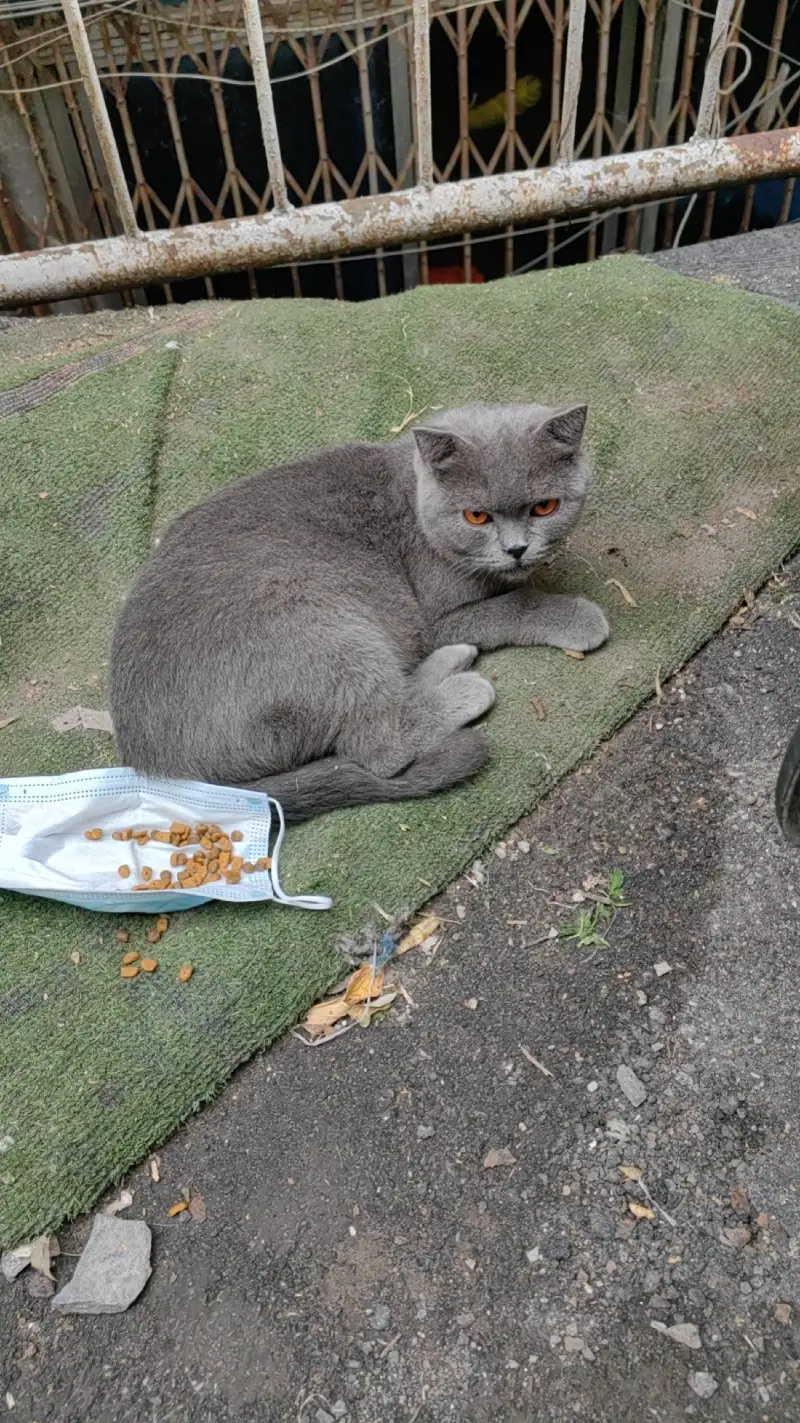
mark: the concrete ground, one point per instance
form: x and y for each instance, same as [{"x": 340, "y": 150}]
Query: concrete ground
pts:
[{"x": 360, "y": 1261}]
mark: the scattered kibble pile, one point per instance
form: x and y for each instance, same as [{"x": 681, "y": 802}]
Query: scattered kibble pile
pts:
[
  {"x": 215, "y": 859},
  {"x": 132, "y": 961}
]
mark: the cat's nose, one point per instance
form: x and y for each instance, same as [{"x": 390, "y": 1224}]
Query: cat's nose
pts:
[{"x": 517, "y": 551}]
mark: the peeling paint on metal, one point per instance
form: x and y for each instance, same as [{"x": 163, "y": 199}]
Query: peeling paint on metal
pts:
[{"x": 446, "y": 209}]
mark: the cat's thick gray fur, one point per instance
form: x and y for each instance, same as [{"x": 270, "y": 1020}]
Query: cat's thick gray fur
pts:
[{"x": 309, "y": 630}]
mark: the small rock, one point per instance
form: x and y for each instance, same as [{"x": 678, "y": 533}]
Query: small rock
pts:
[
  {"x": 573, "y": 1344},
  {"x": 471, "y": 1003},
  {"x": 40, "y": 1286},
  {"x": 703, "y": 1384},
  {"x": 423, "y": 1133},
  {"x": 465, "y": 1320},
  {"x": 322, "y": 1416},
  {"x": 13, "y": 1262},
  {"x": 592, "y": 1086},
  {"x": 524, "y": 847},
  {"x": 641, "y": 997},
  {"x": 686, "y": 1334},
  {"x": 112, "y": 1271},
  {"x": 461, "y": 911},
  {"x": 736, "y": 1235},
  {"x": 381, "y": 1317},
  {"x": 632, "y": 1086},
  {"x": 533, "y": 1255},
  {"x": 740, "y": 1201},
  {"x": 339, "y": 1408},
  {"x": 498, "y": 1156},
  {"x": 662, "y": 967},
  {"x": 783, "y": 1312}
]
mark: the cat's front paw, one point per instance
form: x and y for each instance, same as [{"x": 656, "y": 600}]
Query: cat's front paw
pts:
[{"x": 586, "y": 628}]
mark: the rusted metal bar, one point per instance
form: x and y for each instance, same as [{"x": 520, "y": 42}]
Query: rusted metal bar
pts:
[
  {"x": 325, "y": 229},
  {"x": 572, "y": 80},
  {"x": 707, "y": 108},
  {"x": 422, "y": 92},
  {"x": 266, "y": 108},
  {"x": 102, "y": 123}
]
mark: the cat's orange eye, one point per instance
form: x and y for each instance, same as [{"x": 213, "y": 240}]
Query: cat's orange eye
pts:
[
  {"x": 545, "y": 508},
  {"x": 477, "y": 516}
]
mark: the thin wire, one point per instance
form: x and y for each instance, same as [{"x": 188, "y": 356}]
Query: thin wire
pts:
[
  {"x": 738, "y": 119},
  {"x": 147, "y": 73}
]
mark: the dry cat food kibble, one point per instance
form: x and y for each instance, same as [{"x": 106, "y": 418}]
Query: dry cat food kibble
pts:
[
  {"x": 123, "y": 936},
  {"x": 129, "y": 970},
  {"x": 215, "y": 860},
  {"x": 130, "y": 958},
  {"x": 148, "y": 965},
  {"x": 185, "y": 972},
  {"x": 153, "y": 936}
]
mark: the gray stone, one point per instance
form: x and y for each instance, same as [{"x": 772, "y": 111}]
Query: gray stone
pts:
[
  {"x": 703, "y": 1384},
  {"x": 632, "y": 1086},
  {"x": 381, "y": 1316},
  {"x": 13, "y": 1262},
  {"x": 424, "y": 1132},
  {"x": 686, "y": 1334},
  {"x": 112, "y": 1271}
]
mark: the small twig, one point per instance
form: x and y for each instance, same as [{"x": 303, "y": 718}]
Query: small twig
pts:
[
  {"x": 536, "y": 1063},
  {"x": 615, "y": 583},
  {"x": 659, "y": 690},
  {"x": 657, "y": 1205},
  {"x": 387, "y": 1348},
  {"x": 388, "y": 917}
]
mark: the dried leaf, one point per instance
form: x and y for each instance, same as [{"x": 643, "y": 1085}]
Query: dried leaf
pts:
[
  {"x": 641, "y": 1212},
  {"x": 155, "y": 1174},
  {"x": 41, "y": 1254},
  {"x": 630, "y": 1173},
  {"x": 197, "y": 1208},
  {"x": 75, "y": 957},
  {"x": 124, "y": 1199},
  {"x": 498, "y": 1156},
  {"x": 320, "y": 1019},
  {"x": 571, "y": 652},
  {"x": 364, "y": 984},
  {"x": 419, "y": 933},
  {"x": 178, "y": 1208},
  {"x": 539, "y": 708},
  {"x": 7, "y": 721},
  {"x": 363, "y": 1013},
  {"x": 746, "y": 513},
  {"x": 84, "y": 717},
  {"x": 615, "y": 583}
]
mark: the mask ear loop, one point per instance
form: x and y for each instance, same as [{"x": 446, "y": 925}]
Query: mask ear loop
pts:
[{"x": 300, "y": 901}]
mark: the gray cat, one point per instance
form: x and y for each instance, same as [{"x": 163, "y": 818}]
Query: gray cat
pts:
[{"x": 309, "y": 630}]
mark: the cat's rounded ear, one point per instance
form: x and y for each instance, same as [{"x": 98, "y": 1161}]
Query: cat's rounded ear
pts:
[
  {"x": 439, "y": 449},
  {"x": 566, "y": 428}
]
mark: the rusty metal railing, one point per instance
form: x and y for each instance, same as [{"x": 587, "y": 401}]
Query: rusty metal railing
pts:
[{"x": 425, "y": 211}]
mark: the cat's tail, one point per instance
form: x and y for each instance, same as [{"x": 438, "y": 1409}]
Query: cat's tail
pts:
[{"x": 333, "y": 785}]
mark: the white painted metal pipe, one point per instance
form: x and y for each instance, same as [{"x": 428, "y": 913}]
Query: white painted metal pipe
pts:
[
  {"x": 709, "y": 98},
  {"x": 422, "y": 96},
  {"x": 324, "y": 229},
  {"x": 102, "y": 123},
  {"x": 572, "y": 81},
  {"x": 266, "y": 107}
]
